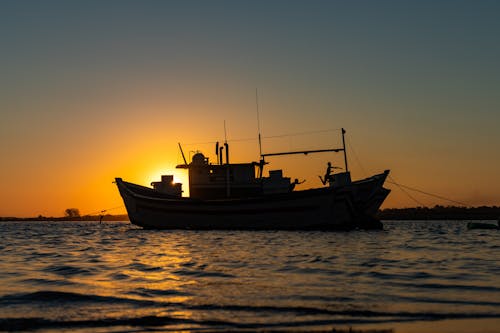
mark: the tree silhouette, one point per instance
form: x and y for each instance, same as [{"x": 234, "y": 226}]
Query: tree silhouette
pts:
[{"x": 72, "y": 212}]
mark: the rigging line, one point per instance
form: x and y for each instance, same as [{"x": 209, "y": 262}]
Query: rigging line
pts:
[
  {"x": 264, "y": 137},
  {"x": 301, "y": 133},
  {"x": 430, "y": 194},
  {"x": 351, "y": 147},
  {"x": 241, "y": 140},
  {"x": 199, "y": 143},
  {"x": 214, "y": 141},
  {"x": 404, "y": 191}
]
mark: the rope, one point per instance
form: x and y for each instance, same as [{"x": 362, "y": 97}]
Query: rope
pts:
[
  {"x": 401, "y": 186},
  {"x": 214, "y": 141},
  {"x": 301, "y": 133},
  {"x": 351, "y": 148},
  {"x": 426, "y": 193},
  {"x": 265, "y": 137},
  {"x": 405, "y": 192},
  {"x": 105, "y": 210}
]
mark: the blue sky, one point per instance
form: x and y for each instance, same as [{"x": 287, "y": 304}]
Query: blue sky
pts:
[{"x": 414, "y": 82}]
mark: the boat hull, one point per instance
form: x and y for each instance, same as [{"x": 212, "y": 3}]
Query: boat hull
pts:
[{"x": 329, "y": 208}]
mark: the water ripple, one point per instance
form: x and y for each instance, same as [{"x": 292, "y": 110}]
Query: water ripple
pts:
[{"x": 63, "y": 276}]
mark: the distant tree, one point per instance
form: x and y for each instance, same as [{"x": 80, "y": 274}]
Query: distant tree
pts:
[{"x": 72, "y": 212}]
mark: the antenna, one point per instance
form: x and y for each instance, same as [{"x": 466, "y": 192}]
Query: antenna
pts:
[
  {"x": 226, "y": 145},
  {"x": 225, "y": 133},
  {"x": 258, "y": 120}
]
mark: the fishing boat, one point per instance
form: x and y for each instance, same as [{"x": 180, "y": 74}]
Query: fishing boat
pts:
[{"x": 237, "y": 196}]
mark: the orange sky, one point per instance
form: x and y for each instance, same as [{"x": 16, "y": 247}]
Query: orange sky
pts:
[{"x": 89, "y": 93}]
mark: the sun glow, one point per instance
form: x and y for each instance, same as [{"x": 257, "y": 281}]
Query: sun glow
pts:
[{"x": 180, "y": 176}]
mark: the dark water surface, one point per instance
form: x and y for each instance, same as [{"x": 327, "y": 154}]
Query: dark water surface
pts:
[{"x": 74, "y": 276}]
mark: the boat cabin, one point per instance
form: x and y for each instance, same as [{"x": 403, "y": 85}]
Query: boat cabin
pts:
[
  {"x": 231, "y": 180},
  {"x": 240, "y": 180}
]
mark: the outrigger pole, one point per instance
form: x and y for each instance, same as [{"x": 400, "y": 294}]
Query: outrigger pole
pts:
[
  {"x": 305, "y": 152},
  {"x": 182, "y": 153}
]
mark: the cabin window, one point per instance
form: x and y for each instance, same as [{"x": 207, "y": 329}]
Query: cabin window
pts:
[{"x": 257, "y": 171}]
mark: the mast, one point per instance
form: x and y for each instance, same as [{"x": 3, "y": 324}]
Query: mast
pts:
[
  {"x": 261, "y": 163},
  {"x": 228, "y": 180},
  {"x": 258, "y": 120},
  {"x": 345, "y": 152},
  {"x": 226, "y": 145},
  {"x": 225, "y": 132}
]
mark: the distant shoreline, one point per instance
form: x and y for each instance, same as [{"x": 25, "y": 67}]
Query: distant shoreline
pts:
[
  {"x": 441, "y": 213},
  {"x": 107, "y": 217},
  {"x": 388, "y": 214}
]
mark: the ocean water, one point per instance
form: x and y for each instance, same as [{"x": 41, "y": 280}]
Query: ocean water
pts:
[{"x": 432, "y": 276}]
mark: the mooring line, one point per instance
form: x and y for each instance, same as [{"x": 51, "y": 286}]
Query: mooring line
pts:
[
  {"x": 404, "y": 191},
  {"x": 401, "y": 186},
  {"x": 105, "y": 210}
]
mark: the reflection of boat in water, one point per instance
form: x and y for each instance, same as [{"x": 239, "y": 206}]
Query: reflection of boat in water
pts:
[{"x": 237, "y": 196}]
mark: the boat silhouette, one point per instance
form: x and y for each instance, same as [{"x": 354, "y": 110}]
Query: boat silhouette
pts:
[{"x": 236, "y": 196}]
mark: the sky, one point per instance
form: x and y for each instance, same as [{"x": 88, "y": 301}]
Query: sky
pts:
[{"x": 93, "y": 90}]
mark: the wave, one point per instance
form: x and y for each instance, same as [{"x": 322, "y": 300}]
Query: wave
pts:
[
  {"x": 65, "y": 270},
  {"x": 58, "y": 297},
  {"x": 146, "y": 292},
  {"x": 22, "y": 324},
  {"x": 201, "y": 273},
  {"x": 285, "y": 316},
  {"x": 445, "y": 301},
  {"x": 48, "y": 282},
  {"x": 144, "y": 268},
  {"x": 352, "y": 313},
  {"x": 441, "y": 286}
]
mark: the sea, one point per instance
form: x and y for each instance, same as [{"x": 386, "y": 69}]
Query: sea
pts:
[{"x": 418, "y": 276}]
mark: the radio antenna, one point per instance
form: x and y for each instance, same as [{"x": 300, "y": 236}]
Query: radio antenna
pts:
[
  {"x": 225, "y": 133},
  {"x": 258, "y": 120}
]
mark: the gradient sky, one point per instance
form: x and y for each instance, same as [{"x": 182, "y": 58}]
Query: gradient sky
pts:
[{"x": 92, "y": 90}]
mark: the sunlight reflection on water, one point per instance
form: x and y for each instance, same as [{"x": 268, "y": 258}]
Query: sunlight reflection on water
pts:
[{"x": 115, "y": 275}]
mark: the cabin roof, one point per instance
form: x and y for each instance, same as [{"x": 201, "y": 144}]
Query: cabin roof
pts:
[{"x": 187, "y": 166}]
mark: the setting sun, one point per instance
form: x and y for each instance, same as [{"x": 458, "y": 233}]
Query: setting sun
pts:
[{"x": 180, "y": 176}]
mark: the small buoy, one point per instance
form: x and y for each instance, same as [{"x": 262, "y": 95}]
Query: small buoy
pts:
[{"x": 482, "y": 225}]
